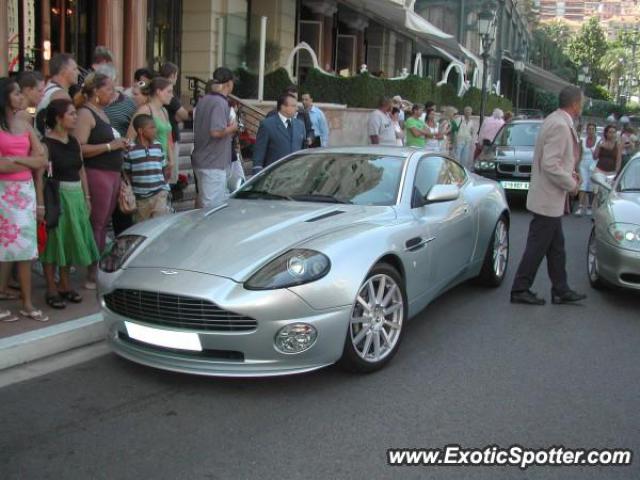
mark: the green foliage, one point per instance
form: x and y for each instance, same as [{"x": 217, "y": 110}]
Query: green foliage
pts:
[
  {"x": 548, "y": 53},
  {"x": 251, "y": 52},
  {"x": 364, "y": 90},
  {"x": 324, "y": 88},
  {"x": 274, "y": 83},
  {"x": 545, "y": 101},
  {"x": 413, "y": 87},
  {"x": 588, "y": 47},
  {"x": 598, "y": 92},
  {"x": 601, "y": 108}
]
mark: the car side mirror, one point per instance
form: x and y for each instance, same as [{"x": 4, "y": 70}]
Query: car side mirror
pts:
[
  {"x": 600, "y": 179},
  {"x": 442, "y": 193}
]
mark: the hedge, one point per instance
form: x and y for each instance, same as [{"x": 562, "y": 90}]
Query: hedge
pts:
[
  {"x": 364, "y": 90},
  {"x": 274, "y": 83}
]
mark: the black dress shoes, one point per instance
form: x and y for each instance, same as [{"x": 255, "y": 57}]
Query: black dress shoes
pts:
[
  {"x": 569, "y": 296},
  {"x": 527, "y": 297}
]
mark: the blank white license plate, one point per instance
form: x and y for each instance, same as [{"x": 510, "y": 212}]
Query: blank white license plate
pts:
[
  {"x": 515, "y": 185},
  {"x": 164, "y": 338}
]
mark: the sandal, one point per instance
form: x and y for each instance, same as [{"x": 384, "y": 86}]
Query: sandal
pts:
[
  {"x": 34, "y": 315},
  {"x": 7, "y": 316},
  {"x": 9, "y": 296},
  {"x": 55, "y": 301},
  {"x": 71, "y": 296}
]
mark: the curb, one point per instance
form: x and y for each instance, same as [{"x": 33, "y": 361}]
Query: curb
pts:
[{"x": 44, "y": 342}]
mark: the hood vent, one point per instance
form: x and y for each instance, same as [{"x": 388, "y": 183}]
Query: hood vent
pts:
[{"x": 324, "y": 215}]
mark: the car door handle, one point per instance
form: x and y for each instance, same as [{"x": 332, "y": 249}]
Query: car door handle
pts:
[{"x": 416, "y": 243}]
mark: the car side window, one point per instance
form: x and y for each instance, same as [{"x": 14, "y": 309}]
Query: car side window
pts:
[
  {"x": 431, "y": 171},
  {"x": 457, "y": 174}
]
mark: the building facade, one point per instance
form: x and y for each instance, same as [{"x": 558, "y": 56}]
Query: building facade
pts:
[{"x": 391, "y": 37}]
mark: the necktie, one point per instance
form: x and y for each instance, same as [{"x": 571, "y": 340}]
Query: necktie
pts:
[{"x": 289, "y": 128}]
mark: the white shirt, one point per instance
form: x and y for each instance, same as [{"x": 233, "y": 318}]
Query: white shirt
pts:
[
  {"x": 466, "y": 131},
  {"x": 284, "y": 120}
]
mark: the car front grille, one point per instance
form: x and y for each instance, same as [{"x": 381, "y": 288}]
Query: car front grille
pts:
[
  {"x": 176, "y": 311},
  {"x": 511, "y": 169}
]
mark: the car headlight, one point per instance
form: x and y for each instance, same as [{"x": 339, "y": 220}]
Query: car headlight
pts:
[
  {"x": 625, "y": 235},
  {"x": 483, "y": 165},
  {"x": 121, "y": 249},
  {"x": 296, "y": 267}
]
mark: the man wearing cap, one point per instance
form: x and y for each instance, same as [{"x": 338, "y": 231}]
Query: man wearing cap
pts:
[{"x": 212, "y": 133}]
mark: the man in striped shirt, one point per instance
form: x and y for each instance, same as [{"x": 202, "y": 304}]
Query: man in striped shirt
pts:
[{"x": 145, "y": 167}]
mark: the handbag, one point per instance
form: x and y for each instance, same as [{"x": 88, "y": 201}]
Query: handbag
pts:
[
  {"x": 126, "y": 197},
  {"x": 52, "y": 207}
]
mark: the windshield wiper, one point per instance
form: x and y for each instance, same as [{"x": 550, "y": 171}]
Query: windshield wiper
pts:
[
  {"x": 261, "y": 194},
  {"x": 630, "y": 189},
  {"x": 316, "y": 197}
]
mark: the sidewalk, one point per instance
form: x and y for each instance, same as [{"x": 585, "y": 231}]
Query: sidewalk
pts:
[{"x": 75, "y": 326}]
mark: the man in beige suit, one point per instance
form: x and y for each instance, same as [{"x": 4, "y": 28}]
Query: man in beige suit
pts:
[{"x": 553, "y": 176}]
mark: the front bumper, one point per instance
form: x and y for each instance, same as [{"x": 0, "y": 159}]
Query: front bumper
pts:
[
  {"x": 618, "y": 266},
  {"x": 226, "y": 353}
]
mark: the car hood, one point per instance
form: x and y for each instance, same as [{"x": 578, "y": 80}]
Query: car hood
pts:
[
  {"x": 519, "y": 154},
  {"x": 626, "y": 207},
  {"x": 236, "y": 239}
]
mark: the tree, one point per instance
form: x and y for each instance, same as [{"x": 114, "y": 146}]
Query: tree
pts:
[
  {"x": 588, "y": 47},
  {"x": 550, "y": 40}
]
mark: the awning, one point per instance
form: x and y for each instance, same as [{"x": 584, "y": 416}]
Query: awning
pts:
[
  {"x": 542, "y": 78},
  {"x": 401, "y": 18},
  {"x": 447, "y": 55}
]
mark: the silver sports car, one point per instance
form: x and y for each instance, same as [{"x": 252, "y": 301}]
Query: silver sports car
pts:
[
  {"x": 613, "y": 256},
  {"x": 321, "y": 258}
]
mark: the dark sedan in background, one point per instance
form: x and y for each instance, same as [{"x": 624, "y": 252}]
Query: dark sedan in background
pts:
[{"x": 508, "y": 159}]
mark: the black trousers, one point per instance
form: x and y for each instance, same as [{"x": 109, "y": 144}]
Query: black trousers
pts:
[{"x": 545, "y": 240}]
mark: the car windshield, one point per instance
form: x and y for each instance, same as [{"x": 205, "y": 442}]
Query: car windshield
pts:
[
  {"x": 360, "y": 179},
  {"x": 518, "y": 135},
  {"x": 630, "y": 181}
]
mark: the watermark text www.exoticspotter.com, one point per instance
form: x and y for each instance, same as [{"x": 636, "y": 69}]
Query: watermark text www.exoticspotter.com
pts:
[{"x": 515, "y": 455}]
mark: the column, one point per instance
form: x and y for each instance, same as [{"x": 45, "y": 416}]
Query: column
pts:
[
  {"x": 45, "y": 29},
  {"x": 135, "y": 38},
  {"x": 4, "y": 39},
  {"x": 110, "y": 30}
]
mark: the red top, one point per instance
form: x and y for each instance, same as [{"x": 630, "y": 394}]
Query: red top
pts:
[{"x": 15, "y": 146}]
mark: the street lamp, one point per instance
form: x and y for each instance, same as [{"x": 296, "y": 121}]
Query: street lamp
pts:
[
  {"x": 518, "y": 65},
  {"x": 486, "y": 21}
]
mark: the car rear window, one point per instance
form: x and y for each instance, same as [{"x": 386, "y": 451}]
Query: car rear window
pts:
[{"x": 518, "y": 135}]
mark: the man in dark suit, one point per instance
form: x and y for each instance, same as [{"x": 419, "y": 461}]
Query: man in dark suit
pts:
[
  {"x": 301, "y": 113},
  {"x": 279, "y": 135}
]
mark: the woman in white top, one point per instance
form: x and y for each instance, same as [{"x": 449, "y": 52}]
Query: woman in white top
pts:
[
  {"x": 395, "y": 120},
  {"x": 586, "y": 166},
  {"x": 434, "y": 137}
]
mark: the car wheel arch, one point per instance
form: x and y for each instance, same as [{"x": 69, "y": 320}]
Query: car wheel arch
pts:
[{"x": 392, "y": 260}]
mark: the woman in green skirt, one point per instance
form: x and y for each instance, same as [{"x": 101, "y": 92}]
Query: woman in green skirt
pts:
[{"x": 72, "y": 241}]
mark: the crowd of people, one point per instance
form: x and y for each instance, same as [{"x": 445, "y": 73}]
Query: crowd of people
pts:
[
  {"x": 399, "y": 122},
  {"x": 73, "y": 150},
  {"x": 606, "y": 154}
]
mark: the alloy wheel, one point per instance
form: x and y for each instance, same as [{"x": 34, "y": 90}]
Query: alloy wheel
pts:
[
  {"x": 376, "y": 318},
  {"x": 500, "y": 248}
]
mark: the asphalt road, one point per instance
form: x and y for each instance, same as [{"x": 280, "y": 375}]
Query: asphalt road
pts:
[{"x": 472, "y": 370}]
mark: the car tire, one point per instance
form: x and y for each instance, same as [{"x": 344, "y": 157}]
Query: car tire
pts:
[
  {"x": 496, "y": 258},
  {"x": 593, "y": 272},
  {"x": 376, "y": 326}
]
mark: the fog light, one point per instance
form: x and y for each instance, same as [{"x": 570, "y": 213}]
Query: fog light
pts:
[{"x": 295, "y": 338}]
